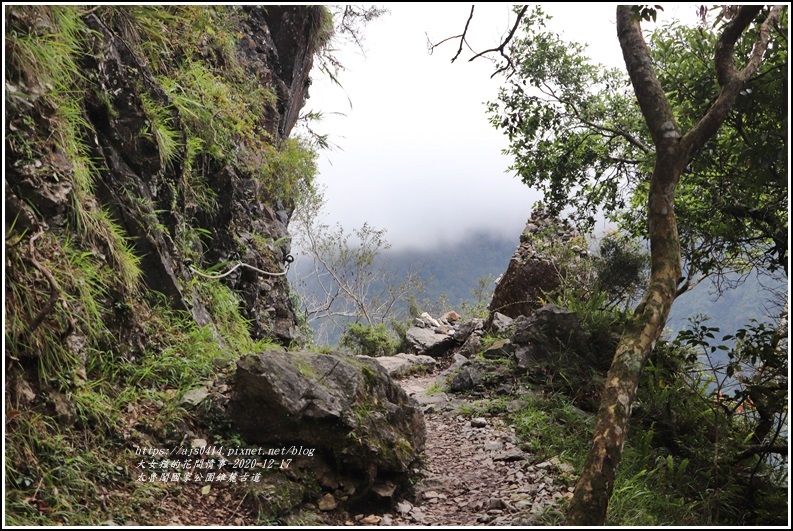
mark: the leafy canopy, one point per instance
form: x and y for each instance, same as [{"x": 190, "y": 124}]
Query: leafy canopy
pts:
[{"x": 577, "y": 134}]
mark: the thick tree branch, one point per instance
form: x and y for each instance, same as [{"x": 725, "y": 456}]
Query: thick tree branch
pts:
[
  {"x": 781, "y": 449},
  {"x": 656, "y": 110},
  {"x": 730, "y": 78},
  {"x": 742, "y": 212},
  {"x": 624, "y": 134},
  {"x": 726, "y": 71}
]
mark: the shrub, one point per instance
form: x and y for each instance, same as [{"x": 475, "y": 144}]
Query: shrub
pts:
[
  {"x": 621, "y": 268},
  {"x": 369, "y": 340}
]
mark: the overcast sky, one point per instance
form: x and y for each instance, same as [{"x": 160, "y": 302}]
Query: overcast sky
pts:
[{"x": 416, "y": 154}]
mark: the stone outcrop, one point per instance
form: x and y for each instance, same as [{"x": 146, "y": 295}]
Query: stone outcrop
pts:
[
  {"x": 550, "y": 329},
  {"x": 278, "y": 45},
  {"x": 403, "y": 364},
  {"x": 430, "y": 336},
  {"x": 437, "y": 337},
  {"x": 429, "y": 341},
  {"x": 365, "y": 430},
  {"x": 143, "y": 189},
  {"x": 532, "y": 345},
  {"x": 530, "y": 274}
]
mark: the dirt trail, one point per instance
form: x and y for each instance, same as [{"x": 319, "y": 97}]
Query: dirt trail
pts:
[{"x": 475, "y": 473}]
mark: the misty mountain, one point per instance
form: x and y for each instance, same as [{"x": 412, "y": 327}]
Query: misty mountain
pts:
[
  {"x": 450, "y": 273},
  {"x": 758, "y": 298}
]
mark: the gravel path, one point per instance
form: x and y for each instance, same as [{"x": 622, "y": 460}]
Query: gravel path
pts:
[{"x": 475, "y": 473}]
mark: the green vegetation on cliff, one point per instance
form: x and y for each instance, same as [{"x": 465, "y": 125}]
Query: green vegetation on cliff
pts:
[{"x": 133, "y": 135}]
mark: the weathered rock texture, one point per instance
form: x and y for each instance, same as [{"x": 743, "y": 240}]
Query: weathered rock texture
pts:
[
  {"x": 143, "y": 189},
  {"x": 437, "y": 337},
  {"x": 529, "y": 274},
  {"x": 363, "y": 426},
  {"x": 143, "y": 144}
]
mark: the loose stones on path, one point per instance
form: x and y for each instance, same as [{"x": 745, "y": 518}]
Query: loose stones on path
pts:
[{"x": 477, "y": 475}]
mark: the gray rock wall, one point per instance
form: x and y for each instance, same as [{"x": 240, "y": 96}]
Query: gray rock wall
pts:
[{"x": 143, "y": 191}]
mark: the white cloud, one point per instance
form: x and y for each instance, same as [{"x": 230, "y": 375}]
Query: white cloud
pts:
[{"x": 419, "y": 157}]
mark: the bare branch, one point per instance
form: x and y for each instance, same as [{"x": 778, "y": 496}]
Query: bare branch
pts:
[
  {"x": 346, "y": 280},
  {"x": 462, "y": 37},
  {"x": 55, "y": 290},
  {"x": 500, "y": 47},
  {"x": 624, "y": 160},
  {"x": 431, "y": 47}
]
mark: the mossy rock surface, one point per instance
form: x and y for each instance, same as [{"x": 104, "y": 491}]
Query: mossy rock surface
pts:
[{"x": 348, "y": 410}]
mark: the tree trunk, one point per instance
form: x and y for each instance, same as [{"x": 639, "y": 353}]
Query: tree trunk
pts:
[{"x": 590, "y": 500}]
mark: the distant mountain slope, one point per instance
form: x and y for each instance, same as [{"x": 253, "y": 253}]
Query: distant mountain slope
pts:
[
  {"x": 754, "y": 299},
  {"x": 451, "y": 271}
]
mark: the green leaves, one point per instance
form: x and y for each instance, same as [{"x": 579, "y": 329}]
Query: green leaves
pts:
[
  {"x": 645, "y": 12},
  {"x": 573, "y": 128},
  {"x": 731, "y": 201},
  {"x": 369, "y": 340},
  {"x": 576, "y": 135}
]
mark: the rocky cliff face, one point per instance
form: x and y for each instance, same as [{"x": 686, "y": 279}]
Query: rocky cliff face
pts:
[
  {"x": 531, "y": 274},
  {"x": 147, "y": 154},
  {"x": 162, "y": 135}
]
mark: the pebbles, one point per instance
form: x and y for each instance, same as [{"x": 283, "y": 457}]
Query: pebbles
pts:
[{"x": 475, "y": 474}]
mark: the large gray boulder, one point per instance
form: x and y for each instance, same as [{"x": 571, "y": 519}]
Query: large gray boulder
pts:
[
  {"x": 550, "y": 329},
  {"x": 347, "y": 409},
  {"x": 467, "y": 375},
  {"x": 553, "y": 349},
  {"x": 430, "y": 341}
]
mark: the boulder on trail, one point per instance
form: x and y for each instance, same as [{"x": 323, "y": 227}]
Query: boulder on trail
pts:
[
  {"x": 346, "y": 409},
  {"x": 403, "y": 364},
  {"x": 438, "y": 337}
]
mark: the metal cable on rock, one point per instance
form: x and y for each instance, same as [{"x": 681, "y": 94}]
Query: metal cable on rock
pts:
[{"x": 288, "y": 261}]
